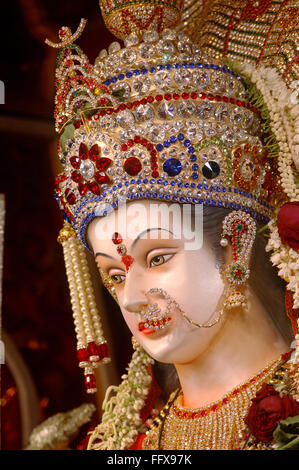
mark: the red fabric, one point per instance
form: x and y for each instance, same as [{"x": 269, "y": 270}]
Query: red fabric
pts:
[{"x": 138, "y": 443}]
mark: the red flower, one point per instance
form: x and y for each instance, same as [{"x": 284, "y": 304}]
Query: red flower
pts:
[
  {"x": 288, "y": 224},
  {"x": 89, "y": 169},
  {"x": 267, "y": 409}
]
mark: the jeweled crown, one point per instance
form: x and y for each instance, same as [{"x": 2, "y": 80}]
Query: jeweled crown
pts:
[{"x": 156, "y": 120}]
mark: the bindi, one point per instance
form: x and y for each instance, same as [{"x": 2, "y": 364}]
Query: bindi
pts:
[{"x": 122, "y": 250}]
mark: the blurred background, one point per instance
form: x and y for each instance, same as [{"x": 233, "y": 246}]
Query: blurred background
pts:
[{"x": 40, "y": 376}]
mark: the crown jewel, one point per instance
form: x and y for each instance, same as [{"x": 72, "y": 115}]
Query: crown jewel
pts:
[{"x": 157, "y": 120}]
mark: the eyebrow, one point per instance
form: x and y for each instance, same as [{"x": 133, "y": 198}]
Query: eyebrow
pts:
[
  {"x": 146, "y": 231},
  {"x": 103, "y": 254}
]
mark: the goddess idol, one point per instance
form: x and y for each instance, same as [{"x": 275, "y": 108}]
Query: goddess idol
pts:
[{"x": 206, "y": 132}]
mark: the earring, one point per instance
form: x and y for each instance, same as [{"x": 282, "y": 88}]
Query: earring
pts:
[
  {"x": 241, "y": 228},
  {"x": 92, "y": 348}
]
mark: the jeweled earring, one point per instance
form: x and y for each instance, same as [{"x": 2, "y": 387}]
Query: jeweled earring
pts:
[
  {"x": 92, "y": 348},
  {"x": 241, "y": 228}
]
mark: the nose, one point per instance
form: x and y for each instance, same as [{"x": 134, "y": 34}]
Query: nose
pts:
[{"x": 134, "y": 298}]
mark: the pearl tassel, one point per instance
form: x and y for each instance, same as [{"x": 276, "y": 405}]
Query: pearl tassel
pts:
[{"x": 92, "y": 348}]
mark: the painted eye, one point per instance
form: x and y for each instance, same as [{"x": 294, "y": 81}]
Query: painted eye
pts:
[
  {"x": 117, "y": 278},
  {"x": 159, "y": 259}
]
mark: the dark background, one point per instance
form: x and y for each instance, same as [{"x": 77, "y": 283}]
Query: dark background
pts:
[{"x": 36, "y": 311}]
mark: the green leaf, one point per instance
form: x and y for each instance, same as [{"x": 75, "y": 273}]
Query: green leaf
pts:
[
  {"x": 287, "y": 433},
  {"x": 68, "y": 133}
]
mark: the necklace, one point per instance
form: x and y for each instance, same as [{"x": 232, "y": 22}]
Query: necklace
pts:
[{"x": 217, "y": 426}]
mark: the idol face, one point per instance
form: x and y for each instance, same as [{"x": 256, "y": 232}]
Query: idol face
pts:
[{"x": 157, "y": 276}]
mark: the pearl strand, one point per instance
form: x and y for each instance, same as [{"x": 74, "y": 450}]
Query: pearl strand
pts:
[
  {"x": 90, "y": 298},
  {"x": 79, "y": 328}
]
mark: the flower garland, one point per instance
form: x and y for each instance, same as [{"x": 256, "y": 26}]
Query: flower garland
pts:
[{"x": 121, "y": 421}]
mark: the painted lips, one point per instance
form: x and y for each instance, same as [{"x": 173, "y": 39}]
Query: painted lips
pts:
[{"x": 150, "y": 327}]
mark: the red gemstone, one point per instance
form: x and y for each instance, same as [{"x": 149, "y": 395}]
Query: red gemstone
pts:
[
  {"x": 103, "y": 351},
  {"x": 214, "y": 407},
  {"x": 150, "y": 99},
  {"x": 235, "y": 392},
  {"x": 202, "y": 95},
  {"x": 210, "y": 97},
  {"x": 218, "y": 98},
  {"x": 232, "y": 100},
  {"x": 176, "y": 96},
  {"x": 193, "y": 95},
  {"x": 185, "y": 95},
  {"x": 225, "y": 99},
  {"x": 83, "y": 188},
  {"x": 90, "y": 381},
  {"x": 103, "y": 163},
  {"x": 77, "y": 177},
  {"x": 94, "y": 188},
  {"x": 159, "y": 98},
  {"x": 167, "y": 96},
  {"x": 75, "y": 162},
  {"x": 116, "y": 238},
  {"x": 130, "y": 142},
  {"x": 82, "y": 355},
  {"x": 83, "y": 151},
  {"x": 155, "y": 174},
  {"x": 203, "y": 412},
  {"x": 101, "y": 178},
  {"x": 225, "y": 400},
  {"x": 70, "y": 196},
  {"x": 137, "y": 138},
  {"x": 132, "y": 166},
  {"x": 124, "y": 147},
  {"x": 92, "y": 349},
  {"x": 94, "y": 152}
]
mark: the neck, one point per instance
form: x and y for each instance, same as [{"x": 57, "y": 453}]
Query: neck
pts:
[{"x": 247, "y": 342}]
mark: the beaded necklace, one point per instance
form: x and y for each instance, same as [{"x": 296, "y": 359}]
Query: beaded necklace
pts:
[{"x": 217, "y": 426}]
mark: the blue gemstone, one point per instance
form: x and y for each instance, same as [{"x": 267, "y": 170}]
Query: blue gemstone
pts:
[
  {"x": 167, "y": 197},
  {"x": 155, "y": 195},
  {"x": 180, "y": 185},
  {"x": 107, "y": 82},
  {"x": 173, "y": 183},
  {"x": 159, "y": 147},
  {"x": 193, "y": 185},
  {"x": 152, "y": 69},
  {"x": 195, "y": 167},
  {"x": 182, "y": 199},
  {"x": 121, "y": 76},
  {"x": 191, "y": 149},
  {"x": 152, "y": 181},
  {"x": 173, "y": 139},
  {"x": 136, "y": 72},
  {"x": 145, "y": 180},
  {"x": 199, "y": 65},
  {"x": 114, "y": 79},
  {"x": 169, "y": 66},
  {"x": 160, "y": 67},
  {"x": 126, "y": 183},
  {"x": 144, "y": 71},
  {"x": 206, "y": 66},
  {"x": 194, "y": 176},
  {"x": 166, "y": 143},
  {"x": 172, "y": 166},
  {"x": 148, "y": 194},
  {"x": 177, "y": 66},
  {"x": 129, "y": 74},
  {"x": 193, "y": 158},
  {"x": 181, "y": 136},
  {"x": 195, "y": 200},
  {"x": 186, "y": 185},
  {"x": 187, "y": 143},
  {"x": 132, "y": 181},
  {"x": 114, "y": 188},
  {"x": 119, "y": 185}
]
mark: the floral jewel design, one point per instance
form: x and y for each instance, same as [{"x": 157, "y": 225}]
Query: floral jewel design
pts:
[{"x": 89, "y": 169}]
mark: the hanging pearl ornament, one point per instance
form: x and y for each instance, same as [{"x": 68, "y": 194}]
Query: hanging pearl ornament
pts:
[{"x": 92, "y": 348}]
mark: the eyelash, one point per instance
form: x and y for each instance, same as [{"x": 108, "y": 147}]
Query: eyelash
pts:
[{"x": 114, "y": 276}]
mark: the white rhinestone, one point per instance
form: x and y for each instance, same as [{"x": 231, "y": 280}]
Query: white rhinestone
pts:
[
  {"x": 125, "y": 119},
  {"x": 142, "y": 85},
  {"x": 128, "y": 56},
  {"x": 146, "y": 50},
  {"x": 166, "y": 110},
  {"x": 87, "y": 169},
  {"x": 144, "y": 113},
  {"x": 162, "y": 80}
]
